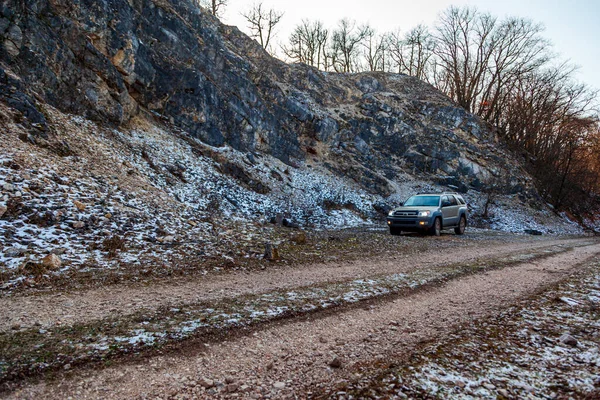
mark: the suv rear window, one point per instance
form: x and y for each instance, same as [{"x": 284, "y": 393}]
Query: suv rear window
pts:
[{"x": 425, "y": 201}]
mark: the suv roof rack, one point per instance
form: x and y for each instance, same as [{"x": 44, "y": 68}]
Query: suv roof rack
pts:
[{"x": 437, "y": 194}]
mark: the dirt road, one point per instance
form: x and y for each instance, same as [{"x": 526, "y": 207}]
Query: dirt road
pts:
[{"x": 304, "y": 353}]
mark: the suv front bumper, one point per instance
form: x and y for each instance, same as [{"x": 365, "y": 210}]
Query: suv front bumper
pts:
[{"x": 413, "y": 224}]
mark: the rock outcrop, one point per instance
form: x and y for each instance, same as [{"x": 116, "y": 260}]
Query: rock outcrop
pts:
[{"x": 110, "y": 61}]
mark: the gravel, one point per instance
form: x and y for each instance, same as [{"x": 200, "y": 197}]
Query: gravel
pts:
[{"x": 299, "y": 352}]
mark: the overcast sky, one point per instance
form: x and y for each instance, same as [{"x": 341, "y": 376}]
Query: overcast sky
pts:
[{"x": 572, "y": 26}]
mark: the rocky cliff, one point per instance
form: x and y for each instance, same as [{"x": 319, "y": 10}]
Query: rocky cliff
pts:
[
  {"x": 112, "y": 60},
  {"x": 148, "y": 122}
]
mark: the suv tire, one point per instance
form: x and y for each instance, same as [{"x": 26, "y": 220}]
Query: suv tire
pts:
[
  {"x": 436, "y": 229},
  {"x": 460, "y": 229}
]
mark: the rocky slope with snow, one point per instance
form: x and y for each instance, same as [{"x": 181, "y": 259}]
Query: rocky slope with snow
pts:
[{"x": 146, "y": 134}]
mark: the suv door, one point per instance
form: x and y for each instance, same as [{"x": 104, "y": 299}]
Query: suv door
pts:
[{"x": 450, "y": 210}]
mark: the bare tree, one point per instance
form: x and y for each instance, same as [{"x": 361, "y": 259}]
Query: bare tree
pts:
[
  {"x": 262, "y": 23},
  {"x": 215, "y": 7},
  {"x": 412, "y": 52},
  {"x": 375, "y": 50},
  {"x": 482, "y": 57},
  {"x": 344, "y": 46},
  {"x": 308, "y": 44}
]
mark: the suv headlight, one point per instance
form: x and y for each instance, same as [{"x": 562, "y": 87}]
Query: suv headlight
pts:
[
  {"x": 424, "y": 213},
  {"x": 391, "y": 213}
]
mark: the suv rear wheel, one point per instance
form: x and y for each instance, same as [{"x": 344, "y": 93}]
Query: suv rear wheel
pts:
[
  {"x": 436, "y": 229},
  {"x": 460, "y": 229}
]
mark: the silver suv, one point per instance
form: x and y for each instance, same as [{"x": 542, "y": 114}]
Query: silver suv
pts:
[{"x": 430, "y": 213}]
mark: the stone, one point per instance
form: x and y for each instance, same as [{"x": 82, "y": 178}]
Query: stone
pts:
[
  {"x": 3, "y": 210},
  {"x": 271, "y": 252},
  {"x": 279, "y": 385},
  {"x": 59, "y": 251},
  {"x": 206, "y": 383},
  {"x": 568, "y": 340},
  {"x": 9, "y": 187},
  {"x": 14, "y": 40},
  {"x": 168, "y": 239},
  {"x": 335, "y": 363},
  {"x": 80, "y": 206},
  {"x": 14, "y": 252},
  {"x": 78, "y": 224},
  {"x": 534, "y": 232},
  {"x": 232, "y": 387},
  {"x": 51, "y": 261}
]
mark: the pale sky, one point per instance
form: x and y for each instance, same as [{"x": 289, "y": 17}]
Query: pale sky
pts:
[{"x": 572, "y": 26}]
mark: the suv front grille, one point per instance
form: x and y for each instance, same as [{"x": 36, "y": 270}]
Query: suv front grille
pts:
[{"x": 405, "y": 214}]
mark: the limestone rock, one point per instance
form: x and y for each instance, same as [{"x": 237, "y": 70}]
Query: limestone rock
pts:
[
  {"x": 78, "y": 224},
  {"x": 568, "y": 340},
  {"x": 80, "y": 206},
  {"x": 3, "y": 210},
  {"x": 109, "y": 70},
  {"x": 51, "y": 261}
]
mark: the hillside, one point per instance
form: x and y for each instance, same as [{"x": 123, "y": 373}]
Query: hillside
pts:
[{"x": 145, "y": 135}]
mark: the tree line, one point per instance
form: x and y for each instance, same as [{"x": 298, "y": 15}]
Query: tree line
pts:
[{"x": 501, "y": 69}]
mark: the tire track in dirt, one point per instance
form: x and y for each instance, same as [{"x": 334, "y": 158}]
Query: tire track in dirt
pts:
[{"x": 23, "y": 312}]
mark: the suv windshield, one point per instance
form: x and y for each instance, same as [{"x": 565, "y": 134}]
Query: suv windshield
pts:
[{"x": 427, "y": 201}]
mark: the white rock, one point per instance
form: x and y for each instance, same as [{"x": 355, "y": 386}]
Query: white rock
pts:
[
  {"x": 279, "y": 385},
  {"x": 568, "y": 340}
]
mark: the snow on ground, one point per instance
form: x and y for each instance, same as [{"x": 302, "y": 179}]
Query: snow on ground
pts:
[{"x": 543, "y": 349}]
